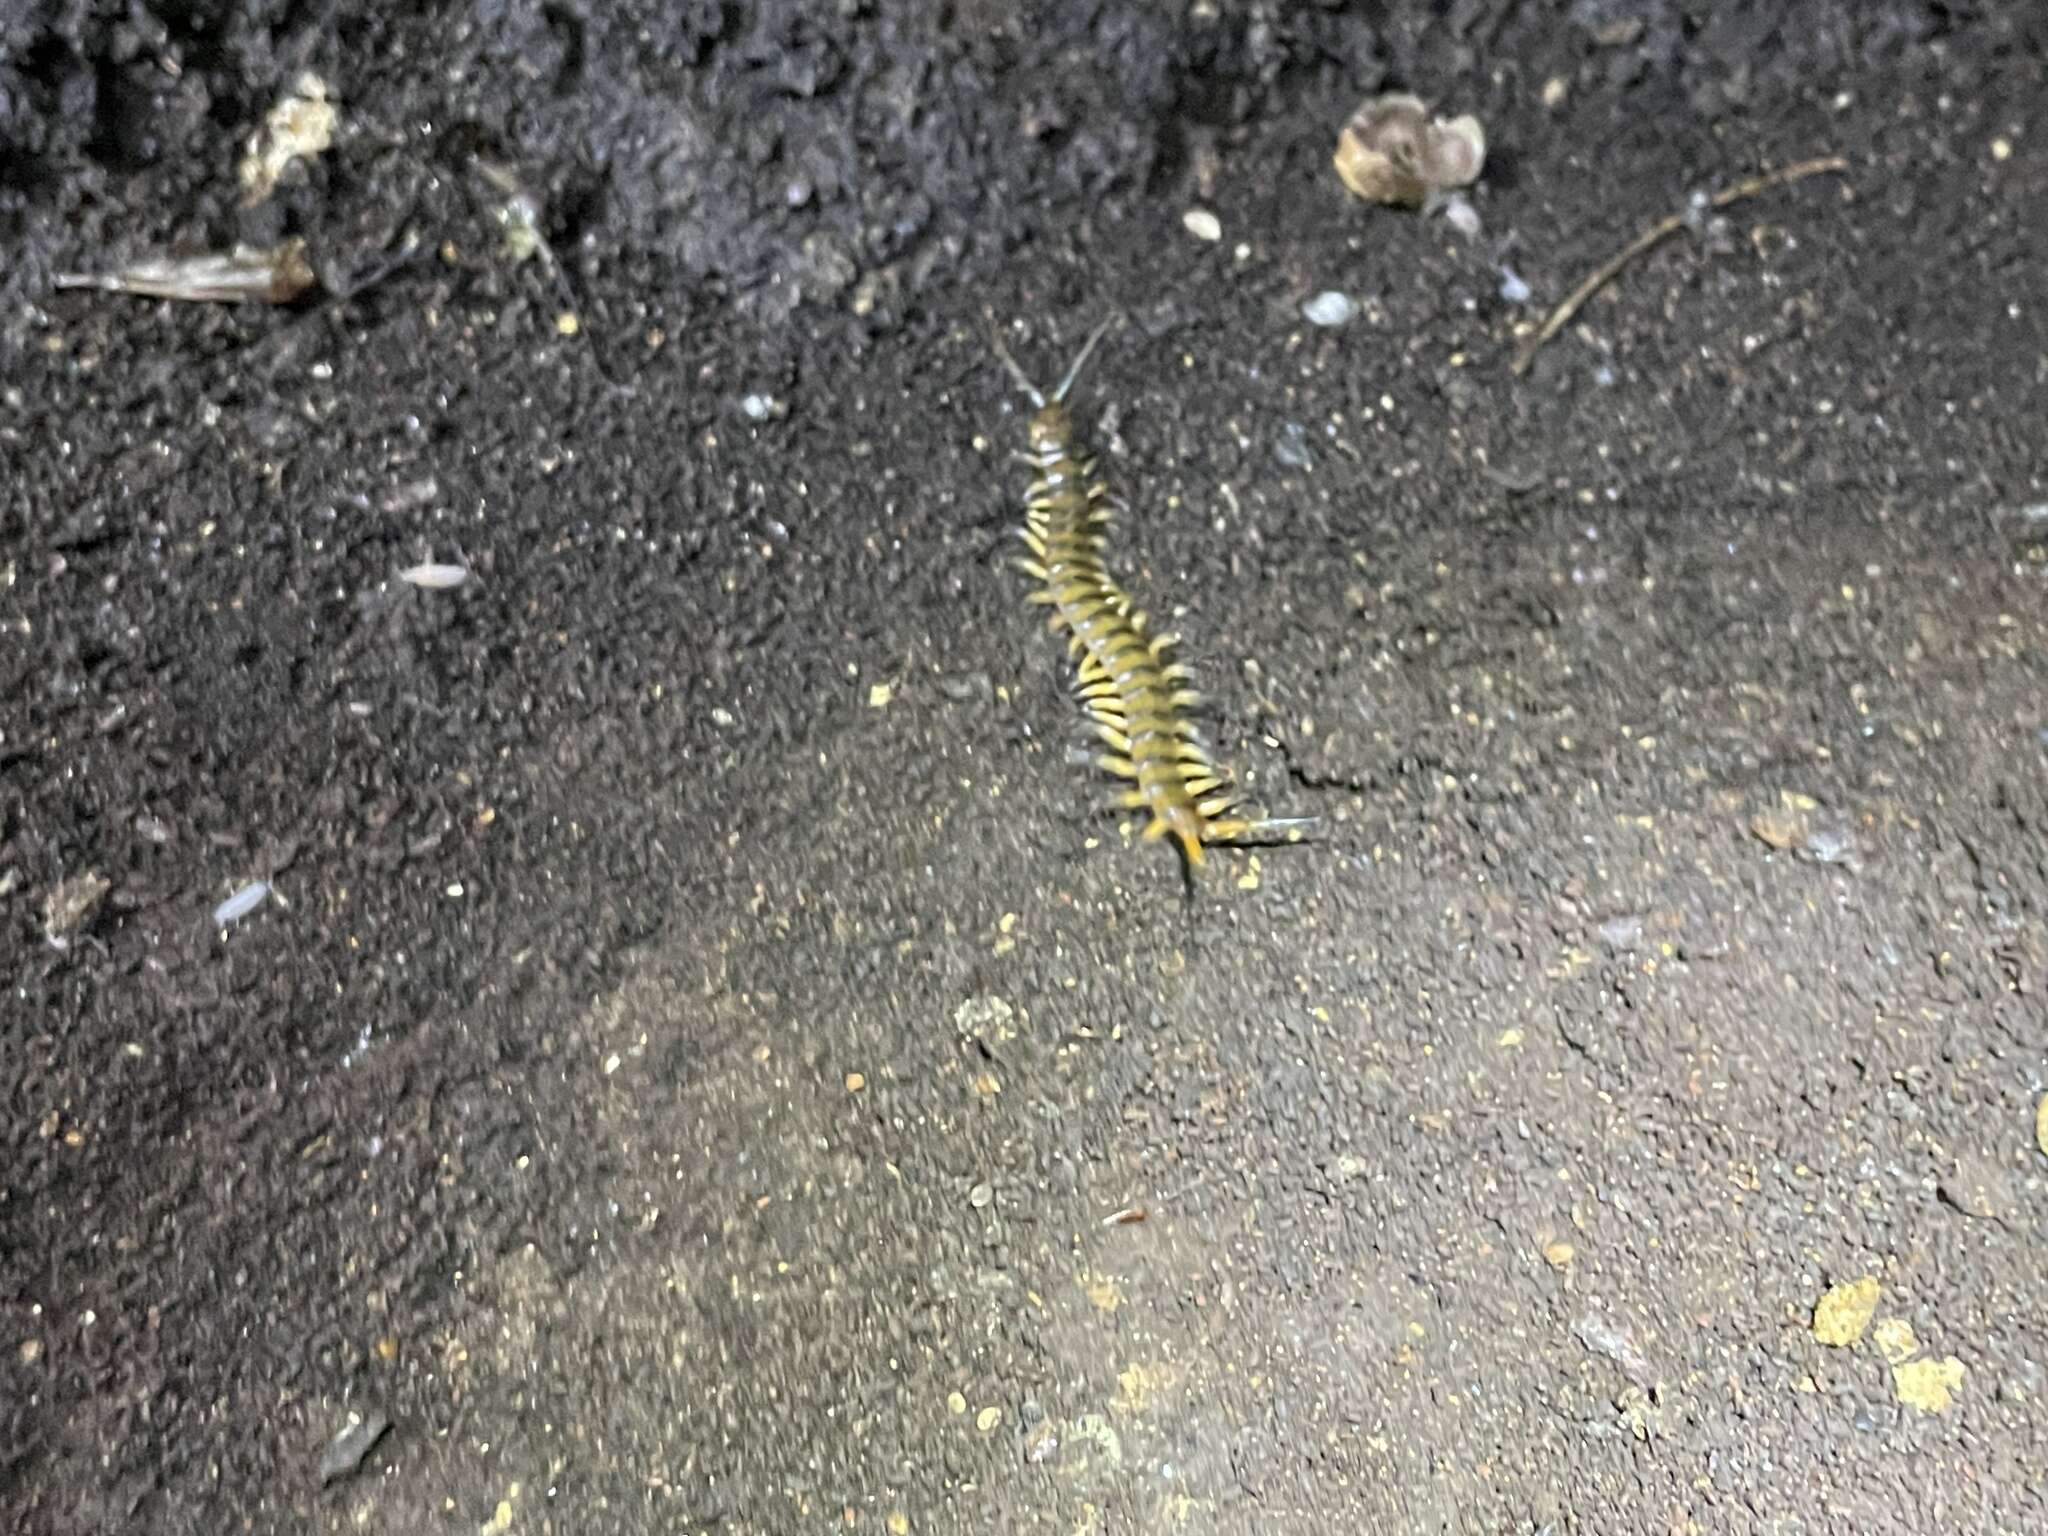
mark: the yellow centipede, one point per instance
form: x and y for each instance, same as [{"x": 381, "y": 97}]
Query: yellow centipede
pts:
[{"x": 1137, "y": 698}]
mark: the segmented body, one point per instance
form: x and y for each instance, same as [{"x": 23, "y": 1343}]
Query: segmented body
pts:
[{"x": 1138, "y": 699}]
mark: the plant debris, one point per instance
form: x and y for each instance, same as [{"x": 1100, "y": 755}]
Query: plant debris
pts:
[
  {"x": 1392, "y": 151},
  {"x": 1662, "y": 230},
  {"x": 246, "y": 275},
  {"x": 70, "y": 905},
  {"x": 299, "y": 127}
]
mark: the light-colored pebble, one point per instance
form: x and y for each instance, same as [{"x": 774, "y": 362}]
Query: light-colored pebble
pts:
[{"x": 1330, "y": 308}]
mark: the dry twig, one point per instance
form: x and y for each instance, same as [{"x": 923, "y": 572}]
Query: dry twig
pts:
[{"x": 1663, "y": 229}]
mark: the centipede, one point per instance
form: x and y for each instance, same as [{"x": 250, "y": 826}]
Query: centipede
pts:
[{"x": 1139, "y": 700}]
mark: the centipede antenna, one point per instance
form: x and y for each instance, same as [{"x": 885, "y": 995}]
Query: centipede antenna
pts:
[
  {"x": 1279, "y": 831},
  {"x": 1059, "y": 394},
  {"x": 1031, "y": 391}
]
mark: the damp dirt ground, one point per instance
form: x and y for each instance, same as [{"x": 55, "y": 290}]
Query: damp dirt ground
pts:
[{"x": 703, "y": 1029}]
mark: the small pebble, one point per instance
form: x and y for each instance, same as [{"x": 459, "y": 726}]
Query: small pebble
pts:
[
  {"x": 758, "y": 407},
  {"x": 1622, "y": 932},
  {"x": 1462, "y": 217},
  {"x": 1831, "y": 845},
  {"x": 435, "y": 578},
  {"x": 1202, "y": 224},
  {"x": 980, "y": 1196},
  {"x": 988, "y": 1419},
  {"x": 241, "y": 904},
  {"x": 960, "y": 687},
  {"x": 1330, "y": 308},
  {"x": 1291, "y": 446},
  {"x": 345, "y": 1452},
  {"x": 1512, "y": 289}
]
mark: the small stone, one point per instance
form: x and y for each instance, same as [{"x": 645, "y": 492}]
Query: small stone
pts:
[
  {"x": 1624, "y": 932},
  {"x": 988, "y": 1419},
  {"x": 345, "y": 1452},
  {"x": 980, "y": 1196},
  {"x": 1462, "y": 216},
  {"x": 1203, "y": 224},
  {"x": 955, "y": 1403},
  {"x": 961, "y": 687},
  {"x": 855, "y": 1082},
  {"x": 1559, "y": 1255},
  {"x": 1330, "y": 308}
]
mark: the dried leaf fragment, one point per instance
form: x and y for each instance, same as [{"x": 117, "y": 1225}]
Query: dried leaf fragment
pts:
[
  {"x": 1392, "y": 151},
  {"x": 248, "y": 274}
]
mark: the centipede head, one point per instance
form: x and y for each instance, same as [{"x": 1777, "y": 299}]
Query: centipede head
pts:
[{"x": 1048, "y": 404}]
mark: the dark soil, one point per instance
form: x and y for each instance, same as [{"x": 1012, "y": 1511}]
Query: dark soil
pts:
[{"x": 702, "y": 1023}]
